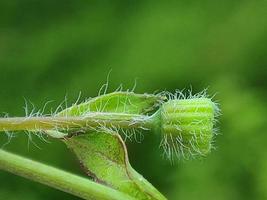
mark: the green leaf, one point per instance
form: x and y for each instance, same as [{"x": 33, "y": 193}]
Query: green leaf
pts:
[
  {"x": 103, "y": 153},
  {"x": 118, "y": 102},
  {"x": 103, "y": 156}
]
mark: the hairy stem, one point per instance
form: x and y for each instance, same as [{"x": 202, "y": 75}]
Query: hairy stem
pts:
[
  {"x": 58, "y": 179},
  {"x": 91, "y": 120}
]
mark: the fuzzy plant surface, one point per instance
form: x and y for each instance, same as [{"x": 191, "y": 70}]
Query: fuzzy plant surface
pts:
[{"x": 96, "y": 130}]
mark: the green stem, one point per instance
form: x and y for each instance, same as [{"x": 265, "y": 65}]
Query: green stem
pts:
[
  {"x": 92, "y": 120},
  {"x": 58, "y": 179}
]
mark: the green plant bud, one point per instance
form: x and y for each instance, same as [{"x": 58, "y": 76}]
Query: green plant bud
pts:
[{"x": 187, "y": 127}]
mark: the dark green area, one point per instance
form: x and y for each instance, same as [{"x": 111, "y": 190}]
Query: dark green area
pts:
[{"x": 50, "y": 49}]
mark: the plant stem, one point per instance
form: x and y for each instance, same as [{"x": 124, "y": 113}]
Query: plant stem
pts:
[
  {"x": 91, "y": 120},
  {"x": 58, "y": 179}
]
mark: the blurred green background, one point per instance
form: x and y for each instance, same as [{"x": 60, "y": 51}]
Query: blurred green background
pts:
[{"x": 53, "y": 49}]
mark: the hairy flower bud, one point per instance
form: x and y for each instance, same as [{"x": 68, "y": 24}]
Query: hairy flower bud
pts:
[{"x": 187, "y": 127}]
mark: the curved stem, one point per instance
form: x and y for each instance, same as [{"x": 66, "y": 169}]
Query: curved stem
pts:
[
  {"x": 91, "y": 120},
  {"x": 58, "y": 179}
]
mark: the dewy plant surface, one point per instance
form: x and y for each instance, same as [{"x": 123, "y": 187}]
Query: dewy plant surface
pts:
[{"x": 95, "y": 131}]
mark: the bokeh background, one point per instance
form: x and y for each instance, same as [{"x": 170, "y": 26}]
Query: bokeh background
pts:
[{"x": 53, "y": 49}]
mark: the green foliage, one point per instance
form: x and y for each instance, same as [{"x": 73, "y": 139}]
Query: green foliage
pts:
[
  {"x": 53, "y": 48},
  {"x": 104, "y": 157},
  {"x": 118, "y": 102},
  {"x": 92, "y": 131},
  {"x": 102, "y": 153}
]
